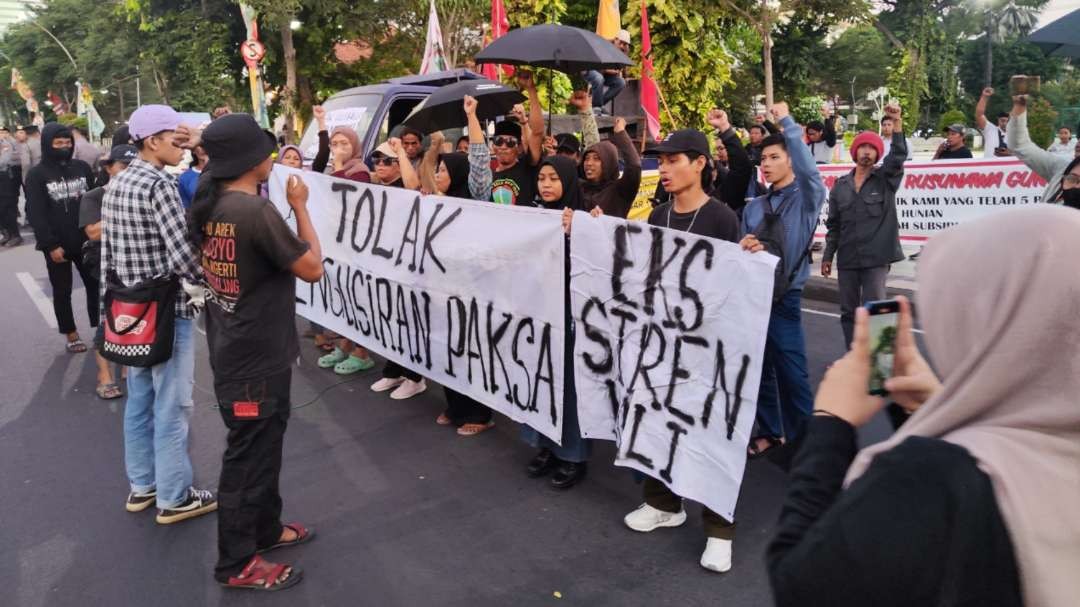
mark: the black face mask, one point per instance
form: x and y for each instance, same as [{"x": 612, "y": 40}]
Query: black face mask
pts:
[{"x": 1071, "y": 198}]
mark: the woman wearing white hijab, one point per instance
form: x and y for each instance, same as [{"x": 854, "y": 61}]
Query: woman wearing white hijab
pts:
[{"x": 976, "y": 499}]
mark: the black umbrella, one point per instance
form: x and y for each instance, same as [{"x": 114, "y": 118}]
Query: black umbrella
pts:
[
  {"x": 561, "y": 47},
  {"x": 443, "y": 109},
  {"x": 1061, "y": 38}
]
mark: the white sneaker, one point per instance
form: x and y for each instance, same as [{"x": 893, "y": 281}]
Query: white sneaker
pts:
[
  {"x": 387, "y": 383},
  {"x": 717, "y": 555},
  {"x": 646, "y": 518},
  {"x": 408, "y": 389}
]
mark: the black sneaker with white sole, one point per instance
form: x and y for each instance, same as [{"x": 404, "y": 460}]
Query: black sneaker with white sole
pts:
[
  {"x": 198, "y": 503},
  {"x": 137, "y": 502}
]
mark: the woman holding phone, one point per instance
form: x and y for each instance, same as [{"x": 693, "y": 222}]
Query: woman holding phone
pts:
[{"x": 972, "y": 501}]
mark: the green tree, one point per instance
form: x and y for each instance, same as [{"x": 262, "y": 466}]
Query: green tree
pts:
[
  {"x": 692, "y": 64},
  {"x": 766, "y": 16},
  {"x": 861, "y": 54}
]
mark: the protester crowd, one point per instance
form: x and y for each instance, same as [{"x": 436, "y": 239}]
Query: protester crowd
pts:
[{"x": 948, "y": 511}]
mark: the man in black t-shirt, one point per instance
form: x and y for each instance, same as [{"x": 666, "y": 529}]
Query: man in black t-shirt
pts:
[
  {"x": 517, "y": 153},
  {"x": 685, "y": 171},
  {"x": 250, "y": 260},
  {"x": 954, "y": 146}
]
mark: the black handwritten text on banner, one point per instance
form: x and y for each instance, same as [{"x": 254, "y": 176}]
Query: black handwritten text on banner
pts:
[
  {"x": 668, "y": 350},
  {"x": 466, "y": 293}
]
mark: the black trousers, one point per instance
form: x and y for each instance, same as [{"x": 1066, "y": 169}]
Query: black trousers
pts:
[
  {"x": 464, "y": 410},
  {"x": 249, "y": 501},
  {"x": 9, "y": 213},
  {"x": 60, "y": 279},
  {"x": 393, "y": 370},
  {"x": 658, "y": 496}
]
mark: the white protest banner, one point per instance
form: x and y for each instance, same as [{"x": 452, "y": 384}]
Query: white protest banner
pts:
[
  {"x": 935, "y": 195},
  {"x": 465, "y": 293},
  {"x": 669, "y": 339}
]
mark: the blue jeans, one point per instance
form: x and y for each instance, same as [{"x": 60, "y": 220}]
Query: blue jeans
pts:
[
  {"x": 785, "y": 400},
  {"x": 613, "y": 82},
  {"x": 156, "y": 418}
]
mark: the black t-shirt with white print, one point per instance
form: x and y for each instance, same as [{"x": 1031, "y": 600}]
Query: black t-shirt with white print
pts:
[{"x": 247, "y": 253}]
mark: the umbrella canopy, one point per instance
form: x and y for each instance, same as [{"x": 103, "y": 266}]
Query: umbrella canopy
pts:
[
  {"x": 1060, "y": 38},
  {"x": 443, "y": 108},
  {"x": 561, "y": 47}
]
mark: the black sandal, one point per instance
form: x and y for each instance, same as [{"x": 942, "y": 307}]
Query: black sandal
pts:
[{"x": 754, "y": 451}]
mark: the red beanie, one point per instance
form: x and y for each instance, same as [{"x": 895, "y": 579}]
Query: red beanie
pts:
[{"x": 865, "y": 138}]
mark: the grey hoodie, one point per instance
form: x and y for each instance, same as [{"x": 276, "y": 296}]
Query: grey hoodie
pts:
[{"x": 1050, "y": 167}]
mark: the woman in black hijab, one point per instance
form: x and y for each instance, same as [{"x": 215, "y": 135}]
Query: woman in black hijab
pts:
[
  {"x": 557, "y": 184},
  {"x": 559, "y": 189},
  {"x": 470, "y": 416},
  {"x": 452, "y": 175}
]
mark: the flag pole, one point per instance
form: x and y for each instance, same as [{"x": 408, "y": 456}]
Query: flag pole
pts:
[{"x": 667, "y": 109}]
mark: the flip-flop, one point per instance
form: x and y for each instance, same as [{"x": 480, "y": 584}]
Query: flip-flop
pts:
[
  {"x": 75, "y": 346},
  {"x": 474, "y": 429},
  {"x": 303, "y": 535},
  {"x": 108, "y": 391},
  {"x": 443, "y": 420}
]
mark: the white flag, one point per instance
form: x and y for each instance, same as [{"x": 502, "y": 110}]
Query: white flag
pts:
[{"x": 434, "y": 56}]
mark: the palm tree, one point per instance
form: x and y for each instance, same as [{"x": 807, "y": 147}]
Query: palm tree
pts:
[{"x": 1012, "y": 19}]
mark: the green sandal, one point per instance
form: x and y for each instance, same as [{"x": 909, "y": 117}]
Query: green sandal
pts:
[
  {"x": 329, "y": 360},
  {"x": 352, "y": 365}
]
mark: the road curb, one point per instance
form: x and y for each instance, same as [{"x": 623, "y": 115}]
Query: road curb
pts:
[{"x": 828, "y": 291}]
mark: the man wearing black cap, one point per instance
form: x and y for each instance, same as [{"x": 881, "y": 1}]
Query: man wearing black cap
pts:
[
  {"x": 90, "y": 222},
  {"x": 567, "y": 144},
  {"x": 685, "y": 171},
  {"x": 953, "y": 147},
  {"x": 250, "y": 260}
]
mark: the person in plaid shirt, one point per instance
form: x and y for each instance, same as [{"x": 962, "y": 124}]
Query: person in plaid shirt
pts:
[{"x": 144, "y": 236}]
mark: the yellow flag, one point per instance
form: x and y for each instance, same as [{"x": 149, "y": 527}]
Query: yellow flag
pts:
[{"x": 607, "y": 20}]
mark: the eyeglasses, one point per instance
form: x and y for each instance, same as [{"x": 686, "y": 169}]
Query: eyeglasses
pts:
[
  {"x": 385, "y": 161},
  {"x": 505, "y": 142},
  {"x": 1072, "y": 180}
]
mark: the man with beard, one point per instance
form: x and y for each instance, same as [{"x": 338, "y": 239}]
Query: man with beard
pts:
[{"x": 862, "y": 225}]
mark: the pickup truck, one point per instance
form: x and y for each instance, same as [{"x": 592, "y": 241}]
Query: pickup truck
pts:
[{"x": 376, "y": 111}]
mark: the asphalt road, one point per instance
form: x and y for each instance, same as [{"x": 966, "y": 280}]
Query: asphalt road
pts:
[{"x": 407, "y": 513}]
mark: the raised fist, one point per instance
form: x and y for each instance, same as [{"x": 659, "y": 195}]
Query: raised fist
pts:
[
  {"x": 718, "y": 119},
  {"x": 779, "y": 111}
]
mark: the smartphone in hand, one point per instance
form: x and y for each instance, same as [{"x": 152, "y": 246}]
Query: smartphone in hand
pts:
[{"x": 883, "y": 320}]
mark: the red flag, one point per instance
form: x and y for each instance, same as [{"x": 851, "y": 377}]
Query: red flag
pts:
[
  {"x": 500, "y": 24},
  {"x": 650, "y": 94}
]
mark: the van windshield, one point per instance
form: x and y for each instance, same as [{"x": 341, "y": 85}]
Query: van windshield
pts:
[{"x": 353, "y": 111}]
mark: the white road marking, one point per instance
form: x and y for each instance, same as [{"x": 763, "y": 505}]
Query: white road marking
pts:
[
  {"x": 40, "y": 299},
  {"x": 835, "y": 315}
]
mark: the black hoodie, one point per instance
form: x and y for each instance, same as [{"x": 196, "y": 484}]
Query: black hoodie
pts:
[{"x": 53, "y": 191}]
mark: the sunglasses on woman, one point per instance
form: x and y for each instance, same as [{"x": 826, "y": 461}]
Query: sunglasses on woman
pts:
[
  {"x": 385, "y": 161},
  {"x": 505, "y": 142}
]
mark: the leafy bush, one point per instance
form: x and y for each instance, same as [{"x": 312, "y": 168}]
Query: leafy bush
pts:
[{"x": 950, "y": 117}]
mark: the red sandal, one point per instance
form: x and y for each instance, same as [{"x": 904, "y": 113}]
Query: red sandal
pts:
[
  {"x": 262, "y": 575},
  {"x": 303, "y": 534}
]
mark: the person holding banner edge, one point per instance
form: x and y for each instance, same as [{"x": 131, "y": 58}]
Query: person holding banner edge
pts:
[
  {"x": 470, "y": 416},
  {"x": 783, "y": 222},
  {"x": 559, "y": 188},
  {"x": 394, "y": 169},
  {"x": 686, "y": 172},
  {"x": 244, "y": 238}
]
